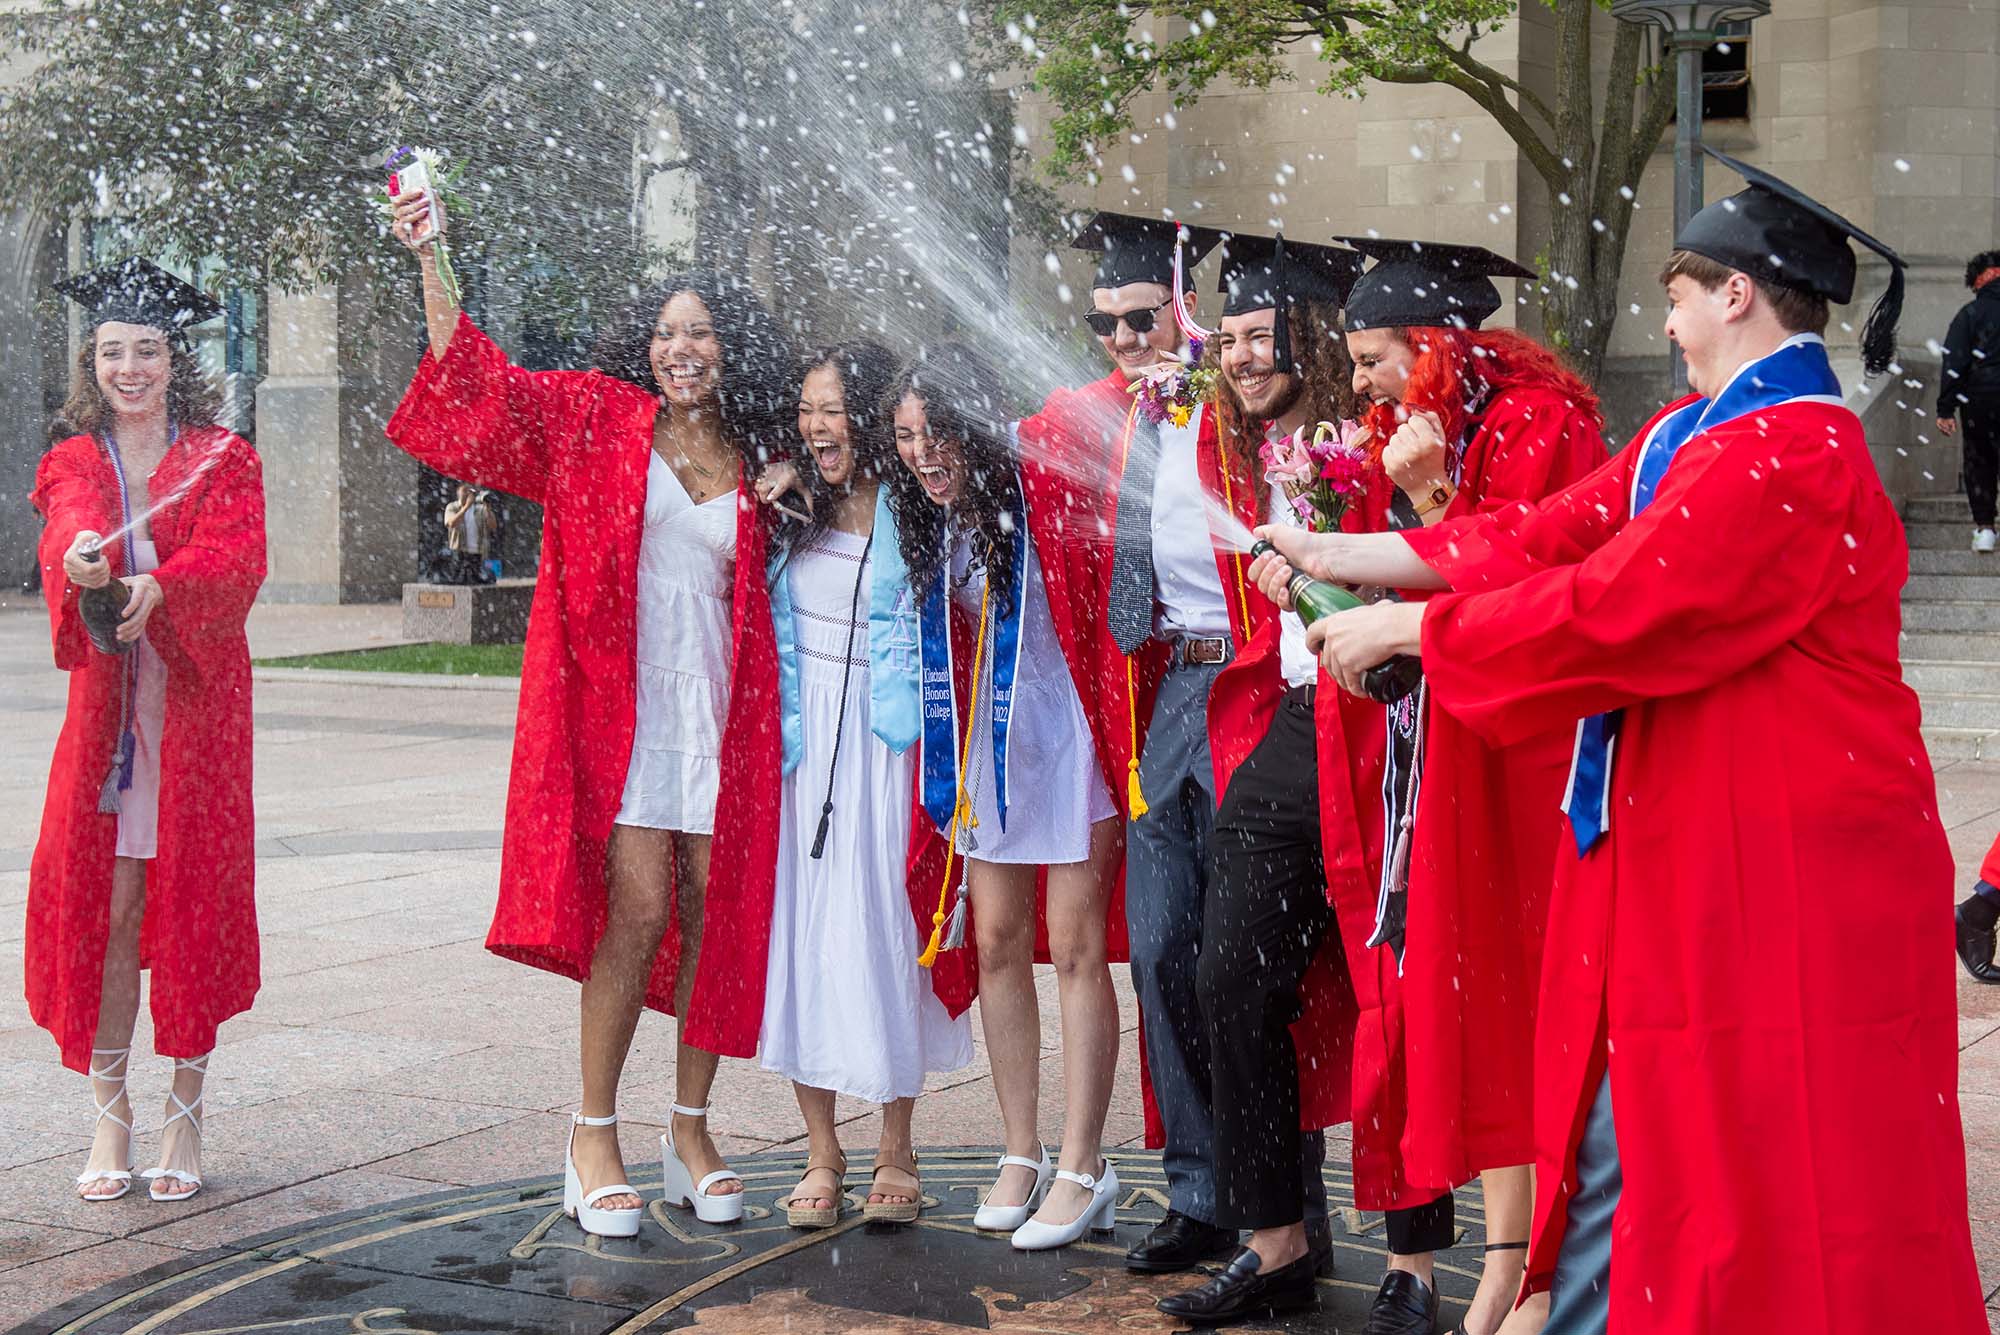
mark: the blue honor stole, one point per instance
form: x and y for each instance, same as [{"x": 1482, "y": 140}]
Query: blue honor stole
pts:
[
  {"x": 1796, "y": 372},
  {"x": 942, "y": 782}
]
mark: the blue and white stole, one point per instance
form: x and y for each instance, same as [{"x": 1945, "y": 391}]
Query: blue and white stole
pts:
[
  {"x": 120, "y": 777},
  {"x": 1002, "y": 660},
  {"x": 1797, "y": 372},
  {"x": 892, "y": 645}
]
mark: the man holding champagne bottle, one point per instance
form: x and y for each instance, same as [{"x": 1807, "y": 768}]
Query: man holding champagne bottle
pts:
[{"x": 1749, "y": 956}]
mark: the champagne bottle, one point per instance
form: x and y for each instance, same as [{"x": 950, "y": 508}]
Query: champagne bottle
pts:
[
  {"x": 103, "y": 610},
  {"x": 1386, "y": 682}
]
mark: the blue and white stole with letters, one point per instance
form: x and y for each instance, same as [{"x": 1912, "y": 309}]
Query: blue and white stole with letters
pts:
[
  {"x": 892, "y": 645},
  {"x": 1002, "y": 661},
  {"x": 1796, "y": 372}
]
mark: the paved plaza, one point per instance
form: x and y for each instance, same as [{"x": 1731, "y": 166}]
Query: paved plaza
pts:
[{"x": 389, "y": 1057}]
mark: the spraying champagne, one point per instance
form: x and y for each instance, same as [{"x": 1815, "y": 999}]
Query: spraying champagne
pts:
[{"x": 1387, "y": 682}]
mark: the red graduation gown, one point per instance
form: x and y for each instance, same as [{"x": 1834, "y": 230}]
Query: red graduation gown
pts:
[
  {"x": 578, "y": 443},
  {"x": 1758, "y": 947},
  {"x": 742, "y": 875},
  {"x": 1349, "y": 1036},
  {"x": 199, "y": 938},
  {"x": 1483, "y": 847},
  {"x": 1989, "y": 870}
]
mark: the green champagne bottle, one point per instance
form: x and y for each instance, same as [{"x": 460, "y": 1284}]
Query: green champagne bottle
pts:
[{"x": 1386, "y": 682}]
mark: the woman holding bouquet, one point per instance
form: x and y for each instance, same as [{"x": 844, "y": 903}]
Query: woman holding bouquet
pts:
[
  {"x": 1011, "y": 774},
  {"x": 850, "y": 885},
  {"x": 649, "y": 542},
  {"x": 1469, "y": 421},
  {"x": 146, "y": 856}
]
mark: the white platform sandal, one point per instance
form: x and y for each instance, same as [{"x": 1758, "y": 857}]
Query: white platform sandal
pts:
[
  {"x": 622, "y": 1223},
  {"x": 109, "y": 1071},
  {"x": 158, "y": 1176},
  {"x": 683, "y": 1190}
]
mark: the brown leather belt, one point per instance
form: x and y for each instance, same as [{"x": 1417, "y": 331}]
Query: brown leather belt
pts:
[{"x": 1203, "y": 652}]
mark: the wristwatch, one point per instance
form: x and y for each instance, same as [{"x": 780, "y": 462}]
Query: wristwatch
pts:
[{"x": 1439, "y": 498}]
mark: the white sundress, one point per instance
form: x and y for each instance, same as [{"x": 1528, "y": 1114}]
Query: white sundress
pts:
[
  {"x": 846, "y": 1005},
  {"x": 1055, "y": 787},
  {"x": 139, "y": 805},
  {"x": 687, "y": 567}
]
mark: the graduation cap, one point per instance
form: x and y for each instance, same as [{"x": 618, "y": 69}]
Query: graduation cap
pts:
[
  {"x": 137, "y": 291},
  {"x": 1132, "y": 249},
  {"x": 1426, "y": 284},
  {"x": 1778, "y": 235},
  {"x": 1270, "y": 273}
]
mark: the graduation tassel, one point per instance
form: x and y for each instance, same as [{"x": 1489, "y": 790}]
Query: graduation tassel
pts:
[
  {"x": 1135, "y": 798},
  {"x": 819, "y": 839},
  {"x": 1878, "y": 335},
  {"x": 961, "y": 810}
]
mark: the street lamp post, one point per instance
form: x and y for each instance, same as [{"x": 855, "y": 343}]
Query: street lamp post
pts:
[{"x": 1691, "y": 28}]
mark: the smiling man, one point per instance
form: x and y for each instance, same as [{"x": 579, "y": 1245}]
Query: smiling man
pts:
[{"x": 1749, "y": 957}]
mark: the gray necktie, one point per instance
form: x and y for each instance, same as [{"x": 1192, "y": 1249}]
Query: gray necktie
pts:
[{"x": 1129, "y": 614}]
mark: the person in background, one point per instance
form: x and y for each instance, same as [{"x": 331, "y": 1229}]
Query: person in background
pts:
[
  {"x": 1969, "y": 391},
  {"x": 1977, "y": 915},
  {"x": 470, "y": 533}
]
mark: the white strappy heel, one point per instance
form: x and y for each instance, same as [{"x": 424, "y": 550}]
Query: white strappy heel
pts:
[
  {"x": 155, "y": 1176},
  {"x": 114, "y": 1069},
  {"x": 1007, "y": 1218},
  {"x": 683, "y": 1190},
  {"x": 584, "y": 1209}
]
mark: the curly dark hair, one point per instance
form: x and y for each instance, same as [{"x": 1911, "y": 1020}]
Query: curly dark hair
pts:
[
  {"x": 1979, "y": 264},
  {"x": 1319, "y": 359},
  {"x": 192, "y": 399},
  {"x": 866, "y": 370},
  {"x": 963, "y": 402},
  {"x": 756, "y": 357}
]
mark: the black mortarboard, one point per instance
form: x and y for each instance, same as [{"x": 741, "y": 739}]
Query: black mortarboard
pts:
[
  {"x": 1426, "y": 284},
  {"x": 136, "y": 291},
  {"x": 1270, "y": 273},
  {"x": 1132, "y": 249},
  {"x": 1778, "y": 235}
]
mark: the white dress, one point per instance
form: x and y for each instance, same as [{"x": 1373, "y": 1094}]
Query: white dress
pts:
[
  {"x": 687, "y": 567},
  {"x": 139, "y": 805},
  {"x": 1055, "y": 787},
  {"x": 846, "y": 1005}
]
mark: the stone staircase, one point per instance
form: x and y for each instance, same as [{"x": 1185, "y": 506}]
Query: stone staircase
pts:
[{"x": 1951, "y": 631}]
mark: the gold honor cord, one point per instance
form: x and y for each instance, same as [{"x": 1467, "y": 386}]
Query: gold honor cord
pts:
[
  {"x": 1135, "y": 799},
  {"x": 961, "y": 811}
]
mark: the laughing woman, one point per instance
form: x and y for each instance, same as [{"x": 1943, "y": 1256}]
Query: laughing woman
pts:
[
  {"x": 648, "y": 541},
  {"x": 1022, "y": 775},
  {"x": 848, "y": 1009},
  {"x": 145, "y": 860}
]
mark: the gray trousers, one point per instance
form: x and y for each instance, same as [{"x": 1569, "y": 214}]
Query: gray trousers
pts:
[
  {"x": 1580, "y": 1298},
  {"x": 1166, "y": 891}
]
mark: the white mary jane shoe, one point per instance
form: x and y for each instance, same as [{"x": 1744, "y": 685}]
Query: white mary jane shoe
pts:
[
  {"x": 1101, "y": 1215},
  {"x": 1007, "y": 1218},
  {"x": 683, "y": 1190},
  {"x": 604, "y": 1223}
]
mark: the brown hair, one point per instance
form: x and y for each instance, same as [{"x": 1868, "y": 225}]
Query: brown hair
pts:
[
  {"x": 191, "y": 400},
  {"x": 1319, "y": 359},
  {"x": 1798, "y": 311}
]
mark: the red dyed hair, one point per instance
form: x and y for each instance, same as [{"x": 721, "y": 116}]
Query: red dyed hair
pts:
[{"x": 1453, "y": 365}]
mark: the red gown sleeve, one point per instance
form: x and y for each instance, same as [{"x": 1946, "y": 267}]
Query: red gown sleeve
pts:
[
  {"x": 1746, "y": 541},
  {"x": 212, "y": 577},
  {"x": 70, "y": 502},
  {"x": 1526, "y": 444},
  {"x": 1509, "y": 540},
  {"x": 475, "y": 416}
]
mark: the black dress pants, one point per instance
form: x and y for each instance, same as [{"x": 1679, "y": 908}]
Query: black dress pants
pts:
[
  {"x": 1979, "y": 421},
  {"x": 1264, "y": 920}
]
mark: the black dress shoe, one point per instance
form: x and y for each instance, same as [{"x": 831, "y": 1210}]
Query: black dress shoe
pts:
[
  {"x": 1242, "y": 1290},
  {"x": 1975, "y": 949},
  {"x": 1179, "y": 1243},
  {"x": 1403, "y": 1306}
]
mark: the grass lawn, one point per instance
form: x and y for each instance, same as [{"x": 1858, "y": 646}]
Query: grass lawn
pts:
[{"x": 476, "y": 660}]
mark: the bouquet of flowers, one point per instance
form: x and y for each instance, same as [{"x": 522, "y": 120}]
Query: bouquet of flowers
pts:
[
  {"x": 412, "y": 169},
  {"x": 1173, "y": 389},
  {"x": 1321, "y": 476}
]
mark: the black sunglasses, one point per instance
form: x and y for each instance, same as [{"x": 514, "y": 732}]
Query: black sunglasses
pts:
[{"x": 1141, "y": 321}]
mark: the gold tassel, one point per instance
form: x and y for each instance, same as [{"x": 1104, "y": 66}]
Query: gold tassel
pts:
[
  {"x": 1135, "y": 800},
  {"x": 962, "y": 810}
]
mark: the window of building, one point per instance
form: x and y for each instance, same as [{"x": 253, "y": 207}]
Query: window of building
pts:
[{"x": 1725, "y": 74}]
